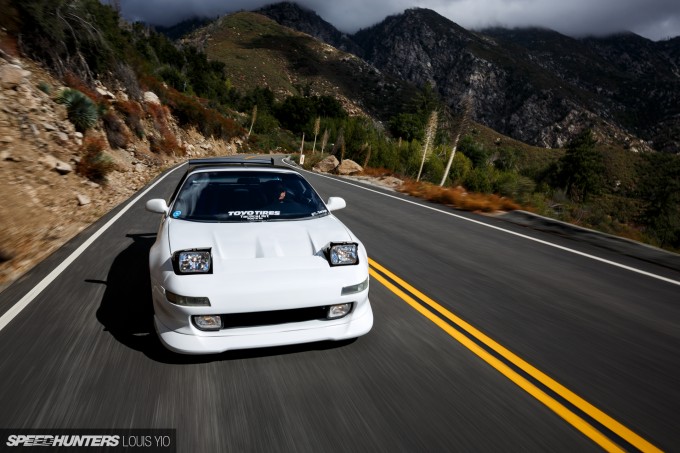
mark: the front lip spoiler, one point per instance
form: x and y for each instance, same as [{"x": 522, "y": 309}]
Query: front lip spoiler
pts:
[{"x": 289, "y": 334}]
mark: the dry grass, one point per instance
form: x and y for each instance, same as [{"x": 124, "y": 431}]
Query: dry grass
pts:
[
  {"x": 9, "y": 45},
  {"x": 73, "y": 81},
  {"x": 95, "y": 164},
  {"x": 133, "y": 113},
  {"x": 116, "y": 132},
  {"x": 191, "y": 112},
  {"x": 166, "y": 143},
  {"x": 458, "y": 197},
  {"x": 376, "y": 172}
]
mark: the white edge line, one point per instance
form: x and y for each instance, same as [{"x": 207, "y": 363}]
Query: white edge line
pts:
[
  {"x": 45, "y": 282},
  {"x": 540, "y": 241}
]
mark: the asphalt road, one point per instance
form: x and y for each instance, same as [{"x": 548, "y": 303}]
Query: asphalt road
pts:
[{"x": 529, "y": 347}]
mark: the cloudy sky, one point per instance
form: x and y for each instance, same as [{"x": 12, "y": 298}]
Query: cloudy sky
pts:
[{"x": 653, "y": 19}]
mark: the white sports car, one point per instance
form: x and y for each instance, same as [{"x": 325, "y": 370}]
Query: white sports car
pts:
[{"x": 248, "y": 255}]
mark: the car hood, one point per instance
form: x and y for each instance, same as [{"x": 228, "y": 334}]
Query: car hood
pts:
[{"x": 249, "y": 240}]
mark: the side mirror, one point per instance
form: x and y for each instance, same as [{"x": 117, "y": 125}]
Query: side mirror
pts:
[
  {"x": 157, "y": 205},
  {"x": 335, "y": 203}
]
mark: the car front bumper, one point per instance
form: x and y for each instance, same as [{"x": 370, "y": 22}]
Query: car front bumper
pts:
[{"x": 357, "y": 323}]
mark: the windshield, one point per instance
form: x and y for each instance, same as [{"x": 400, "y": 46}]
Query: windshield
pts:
[{"x": 246, "y": 196}]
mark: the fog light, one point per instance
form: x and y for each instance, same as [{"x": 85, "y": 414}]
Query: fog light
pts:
[
  {"x": 208, "y": 322},
  {"x": 338, "y": 311}
]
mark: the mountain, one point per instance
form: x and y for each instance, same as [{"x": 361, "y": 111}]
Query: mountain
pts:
[
  {"x": 535, "y": 85},
  {"x": 294, "y": 16},
  {"x": 259, "y": 52},
  {"x": 183, "y": 28},
  {"x": 628, "y": 80}
]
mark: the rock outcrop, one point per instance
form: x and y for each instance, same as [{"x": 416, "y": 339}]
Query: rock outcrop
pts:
[
  {"x": 327, "y": 165},
  {"x": 348, "y": 167},
  {"x": 40, "y": 153}
]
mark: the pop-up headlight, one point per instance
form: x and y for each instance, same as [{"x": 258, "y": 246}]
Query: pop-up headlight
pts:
[
  {"x": 343, "y": 254},
  {"x": 197, "y": 261}
]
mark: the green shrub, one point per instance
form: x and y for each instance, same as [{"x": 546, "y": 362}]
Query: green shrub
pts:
[
  {"x": 460, "y": 167},
  {"x": 265, "y": 123},
  {"x": 511, "y": 184},
  {"x": 82, "y": 111},
  {"x": 433, "y": 169},
  {"x": 480, "y": 179},
  {"x": 474, "y": 151},
  {"x": 45, "y": 87}
]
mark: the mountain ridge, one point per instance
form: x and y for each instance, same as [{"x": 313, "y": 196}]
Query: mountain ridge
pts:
[{"x": 532, "y": 84}]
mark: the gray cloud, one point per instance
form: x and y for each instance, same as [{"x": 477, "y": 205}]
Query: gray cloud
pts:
[{"x": 654, "y": 19}]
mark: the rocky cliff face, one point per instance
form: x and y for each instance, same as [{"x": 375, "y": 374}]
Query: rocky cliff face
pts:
[
  {"x": 44, "y": 200},
  {"x": 524, "y": 84}
]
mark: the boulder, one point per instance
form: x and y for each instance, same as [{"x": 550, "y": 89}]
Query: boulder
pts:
[
  {"x": 63, "y": 168},
  {"x": 327, "y": 165},
  {"x": 12, "y": 75},
  {"x": 102, "y": 91},
  {"x": 52, "y": 163},
  {"x": 83, "y": 199},
  {"x": 390, "y": 181},
  {"x": 61, "y": 138},
  {"x": 151, "y": 98},
  {"x": 348, "y": 167}
]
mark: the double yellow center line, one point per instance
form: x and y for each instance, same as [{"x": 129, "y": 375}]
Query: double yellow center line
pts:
[{"x": 462, "y": 332}]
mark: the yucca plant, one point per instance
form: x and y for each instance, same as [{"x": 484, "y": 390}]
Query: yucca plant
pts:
[
  {"x": 467, "y": 108},
  {"x": 82, "y": 111},
  {"x": 253, "y": 118},
  {"x": 430, "y": 133},
  {"x": 317, "y": 124},
  {"x": 324, "y": 140},
  {"x": 44, "y": 87}
]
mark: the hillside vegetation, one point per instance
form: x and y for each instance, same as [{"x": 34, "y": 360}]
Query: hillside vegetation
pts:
[{"x": 247, "y": 80}]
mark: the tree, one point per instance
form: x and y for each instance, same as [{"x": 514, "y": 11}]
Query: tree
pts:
[
  {"x": 660, "y": 187},
  {"x": 407, "y": 126},
  {"x": 425, "y": 101},
  {"x": 580, "y": 171},
  {"x": 82, "y": 37}
]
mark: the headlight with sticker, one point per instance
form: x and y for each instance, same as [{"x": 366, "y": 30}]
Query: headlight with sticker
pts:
[
  {"x": 195, "y": 261},
  {"x": 343, "y": 254}
]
